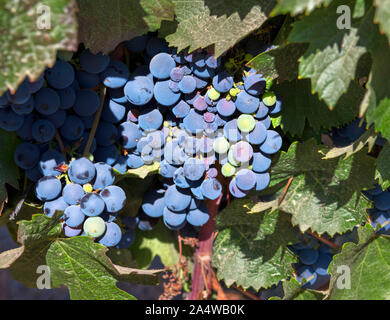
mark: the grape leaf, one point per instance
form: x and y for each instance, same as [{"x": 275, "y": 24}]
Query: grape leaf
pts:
[
  {"x": 333, "y": 54},
  {"x": 382, "y": 15},
  {"x": 368, "y": 138},
  {"x": 158, "y": 242},
  {"x": 36, "y": 237},
  {"x": 142, "y": 172},
  {"x": 383, "y": 167},
  {"x": 135, "y": 188},
  {"x": 325, "y": 195},
  {"x": 297, "y": 6},
  {"x": 202, "y": 23},
  {"x": 28, "y": 49},
  {"x": 251, "y": 250},
  {"x": 293, "y": 291},
  {"x": 105, "y": 24},
  {"x": 364, "y": 266},
  {"x": 280, "y": 62},
  {"x": 9, "y": 172},
  {"x": 81, "y": 265},
  {"x": 300, "y": 106},
  {"x": 7, "y": 258}
]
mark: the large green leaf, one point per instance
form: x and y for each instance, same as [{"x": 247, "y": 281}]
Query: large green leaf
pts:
[
  {"x": 158, "y": 242},
  {"x": 300, "y": 106},
  {"x": 383, "y": 167},
  {"x": 382, "y": 15},
  {"x": 81, "y": 265},
  {"x": 365, "y": 266},
  {"x": 251, "y": 250},
  {"x": 298, "y": 6},
  {"x": 26, "y": 50},
  {"x": 36, "y": 237},
  {"x": 325, "y": 195},
  {"x": 202, "y": 23},
  {"x": 333, "y": 54},
  {"x": 104, "y": 24},
  {"x": 9, "y": 172}
]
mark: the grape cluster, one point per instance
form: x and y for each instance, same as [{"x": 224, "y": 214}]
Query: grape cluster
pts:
[
  {"x": 314, "y": 260},
  {"x": 178, "y": 109}
]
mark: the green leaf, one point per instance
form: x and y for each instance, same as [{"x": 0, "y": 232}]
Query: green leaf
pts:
[
  {"x": 297, "y": 6},
  {"x": 105, "y": 24},
  {"x": 251, "y": 250},
  {"x": 368, "y": 138},
  {"x": 280, "y": 62},
  {"x": 81, "y": 265},
  {"x": 383, "y": 167},
  {"x": 158, "y": 242},
  {"x": 382, "y": 15},
  {"x": 26, "y": 50},
  {"x": 36, "y": 237},
  {"x": 142, "y": 172},
  {"x": 9, "y": 172},
  {"x": 7, "y": 258},
  {"x": 365, "y": 265},
  {"x": 202, "y": 23},
  {"x": 333, "y": 54},
  {"x": 135, "y": 188},
  {"x": 293, "y": 291},
  {"x": 300, "y": 106},
  {"x": 325, "y": 195}
]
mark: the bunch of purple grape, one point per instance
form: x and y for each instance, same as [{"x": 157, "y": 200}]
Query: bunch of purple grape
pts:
[{"x": 178, "y": 109}]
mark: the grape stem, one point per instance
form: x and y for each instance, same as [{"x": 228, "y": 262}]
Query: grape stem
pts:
[
  {"x": 202, "y": 257},
  {"x": 60, "y": 143},
  {"x": 96, "y": 120}
]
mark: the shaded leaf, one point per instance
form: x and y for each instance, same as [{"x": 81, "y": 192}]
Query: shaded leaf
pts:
[
  {"x": 293, "y": 291},
  {"x": 300, "y": 106},
  {"x": 158, "y": 242},
  {"x": 383, "y": 167},
  {"x": 280, "y": 62},
  {"x": 202, "y": 23},
  {"x": 251, "y": 250},
  {"x": 9, "y": 172},
  {"x": 105, "y": 24},
  {"x": 325, "y": 195}
]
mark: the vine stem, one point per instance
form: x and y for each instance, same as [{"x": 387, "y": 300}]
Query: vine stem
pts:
[
  {"x": 95, "y": 124},
  {"x": 60, "y": 143},
  {"x": 203, "y": 253}
]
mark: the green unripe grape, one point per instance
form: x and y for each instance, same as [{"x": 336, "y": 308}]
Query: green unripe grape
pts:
[
  {"x": 228, "y": 170},
  {"x": 213, "y": 94},
  {"x": 90, "y": 157},
  {"x": 88, "y": 188},
  {"x": 246, "y": 123},
  {"x": 221, "y": 145},
  {"x": 269, "y": 99},
  {"x": 234, "y": 92},
  {"x": 231, "y": 158},
  {"x": 166, "y": 124},
  {"x": 94, "y": 226}
]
